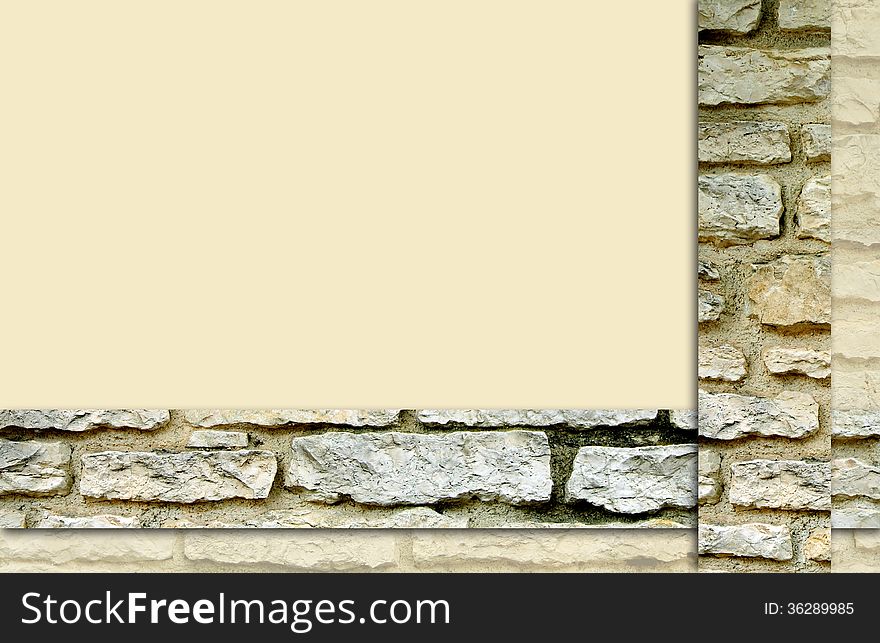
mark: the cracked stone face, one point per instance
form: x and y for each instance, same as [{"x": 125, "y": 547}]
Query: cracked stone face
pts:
[
  {"x": 746, "y": 142},
  {"x": 729, "y": 416},
  {"x": 279, "y": 417},
  {"x": 34, "y": 468},
  {"x": 791, "y": 290},
  {"x": 84, "y": 419},
  {"x": 744, "y": 76},
  {"x": 177, "y": 477},
  {"x": 750, "y": 540},
  {"x": 634, "y": 480},
  {"x": 738, "y": 208},
  {"x": 409, "y": 468},
  {"x": 781, "y": 484},
  {"x": 574, "y": 418}
]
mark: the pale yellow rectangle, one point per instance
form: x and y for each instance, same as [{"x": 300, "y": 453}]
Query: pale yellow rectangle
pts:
[{"x": 477, "y": 203}]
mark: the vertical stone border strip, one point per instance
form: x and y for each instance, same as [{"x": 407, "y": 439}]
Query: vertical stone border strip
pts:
[{"x": 764, "y": 268}]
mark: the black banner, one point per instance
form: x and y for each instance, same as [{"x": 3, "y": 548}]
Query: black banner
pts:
[{"x": 432, "y": 607}]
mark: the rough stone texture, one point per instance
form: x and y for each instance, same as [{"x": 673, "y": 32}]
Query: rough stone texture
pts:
[
  {"x": 861, "y": 514},
  {"x": 734, "y": 16},
  {"x": 856, "y": 101},
  {"x": 34, "y": 468},
  {"x": 709, "y": 477},
  {"x": 151, "y": 481},
  {"x": 83, "y": 419},
  {"x": 685, "y": 420},
  {"x": 751, "y": 540},
  {"x": 103, "y": 521},
  {"x": 305, "y": 550},
  {"x": 177, "y": 477},
  {"x": 738, "y": 208},
  {"x": 709, "y": 306},
  {"x": 634, "y": 480},
  {"x": 728, "y": 416},
  {"x": 777, "y": 287},
  {"x": 805, "y": 15},
  {"x": 815, "y": 364},
  {"x": 575, "y": 418},
  {"x": 12, "y": 520},
  {"x": 726, "y": 363},
  {"x": 322, "y": 518},
  {"x": 816, "y": 142},
  {"x": 744, "y": 76},
  {"x": 406, "y": 468},
  {"x": 853, "y": 478},
  {"x": 746, "y": 142},
  {"x": 708, "y": 271},
  {"x": 781, "y": 484},
  {"x": 208, "y": 439},
  {"x": 791, "y": 290},
  {"x": 855, "y": 424},
  {"x": 817, "y": 546},
  {"x": 814, "y": 210},
  {"x": 280, "y": 417}
]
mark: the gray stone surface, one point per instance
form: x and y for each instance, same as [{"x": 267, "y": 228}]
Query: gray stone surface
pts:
[
  {"x": 708, "y": 271},
  {"x": 852, "y": 478},
  {"x": 574, "y": 418},
  {"x": 752, "y": 540},
  {"x": 855, "y": 424},
  {"x": 816, "y": 141},
  {"x": 738, "y": 208},
  {"x": 709, "y": 306},
  {"x": 804, "y": 15},
  {"x": 728, "y": 416},
  {"x": 84, "y": 419},
  {"x": 34, "y": 468},
  {"x": 859, "y": 514},
  {"x": 814, "y": 209},
  {"x": 709, "y": 484},
  {"x": 280, "y": 417},
  {"x": 331, "y": 518},
  {"x": 208, "y": 439},
  {"x": 187, "y": 477},
  {"x": 726, "y": 363},
  {"x": 732, "y": 16},
  {"x": 12, "y": 520},
  {"x": 744, "y": 76},
  {"x": 102, "y": 521},
  {"x": 684, "y": 419},
  {"x": 634, "y": 480},
  {"x": 395, "y": 468},
  {"x": 781, "y": 484},
  {"x": 745, "y": 142},
  {"x": 798, "y": 361}
]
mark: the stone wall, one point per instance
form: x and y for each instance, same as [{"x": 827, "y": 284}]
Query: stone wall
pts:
[
  {"x": 764, "y": 301},
  {"x": 399, "y": 550},
  {"x": 856, "y": 290},
  {"x": 347, "y": 468}
]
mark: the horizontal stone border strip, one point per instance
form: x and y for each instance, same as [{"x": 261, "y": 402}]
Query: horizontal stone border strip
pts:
[{"x": 337, "y": 468}]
